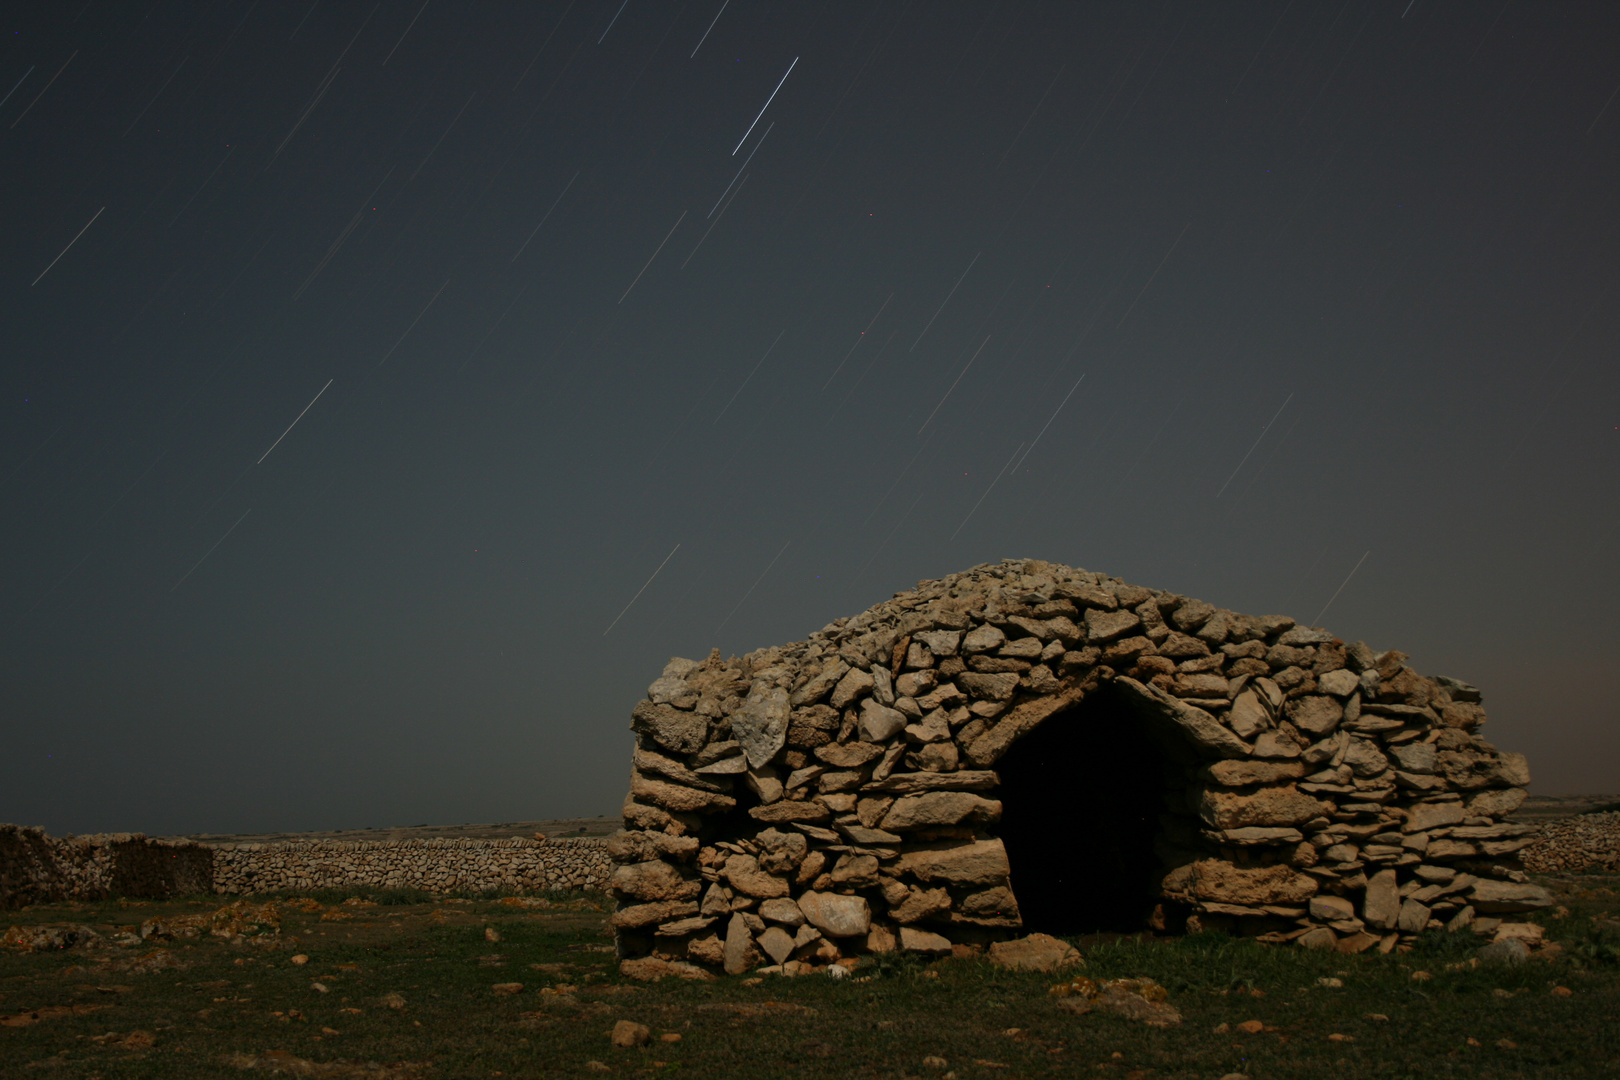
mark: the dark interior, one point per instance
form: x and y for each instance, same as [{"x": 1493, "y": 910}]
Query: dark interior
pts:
[{"x": 1081, "y": 797}]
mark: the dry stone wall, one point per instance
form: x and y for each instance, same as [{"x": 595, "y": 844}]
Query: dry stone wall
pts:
[
  {"x": 1578, "y": 842},
  {"x": 434, "y": 865},
  {"x": 838, "y": 795},
  {"x": 36, "y": 868},
  {"x": 40, "y": 869}
]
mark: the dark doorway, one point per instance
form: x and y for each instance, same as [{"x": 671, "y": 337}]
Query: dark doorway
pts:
[{"x": 1081, "y": 797}]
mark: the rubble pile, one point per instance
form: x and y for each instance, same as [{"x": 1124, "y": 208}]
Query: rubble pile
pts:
[{"x": 839, "y": 795}]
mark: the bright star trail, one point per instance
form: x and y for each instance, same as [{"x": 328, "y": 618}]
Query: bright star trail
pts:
[{"x": 481, "y": 307}]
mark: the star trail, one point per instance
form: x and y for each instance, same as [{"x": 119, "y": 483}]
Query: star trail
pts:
[{"x": 365, "y": 366}]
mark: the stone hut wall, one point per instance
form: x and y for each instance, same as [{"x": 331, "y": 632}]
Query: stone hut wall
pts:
[
  {"x": 839, "y": 795},
  {"x": 40, "y": 869},
  {"x": 433, "y": 865}
]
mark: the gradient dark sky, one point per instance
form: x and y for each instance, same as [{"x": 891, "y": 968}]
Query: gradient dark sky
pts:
[{"x": 1395, "y": 222}]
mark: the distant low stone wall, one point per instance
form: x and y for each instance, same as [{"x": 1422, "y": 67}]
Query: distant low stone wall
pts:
[
  {"x": 39, "y": 869},
  {"x": 434, "y": 865},
  {"x": 1580, "y": 842},
  {"x": 36, "y": 868}
]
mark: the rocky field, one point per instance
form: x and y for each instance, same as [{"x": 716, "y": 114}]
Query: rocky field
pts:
[{"x": 403, "y": 985}]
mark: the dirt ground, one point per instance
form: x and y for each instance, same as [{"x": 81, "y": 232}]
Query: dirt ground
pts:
[{"x": 407, "y": 986}]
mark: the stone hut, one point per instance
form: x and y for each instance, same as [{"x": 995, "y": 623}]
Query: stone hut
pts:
[{"x": 1027, "y": 746}]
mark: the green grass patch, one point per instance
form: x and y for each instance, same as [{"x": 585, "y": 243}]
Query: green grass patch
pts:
[{"x": 412, "y": 987}]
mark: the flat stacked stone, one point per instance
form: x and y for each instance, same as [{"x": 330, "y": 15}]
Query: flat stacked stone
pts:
[{"x": 838, "y": 795}]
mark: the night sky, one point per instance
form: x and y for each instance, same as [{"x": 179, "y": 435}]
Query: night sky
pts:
[{"x": 360, "y": 363}]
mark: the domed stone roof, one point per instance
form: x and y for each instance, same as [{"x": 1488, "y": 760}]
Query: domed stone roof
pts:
[{"x": 1031, "y": 746}]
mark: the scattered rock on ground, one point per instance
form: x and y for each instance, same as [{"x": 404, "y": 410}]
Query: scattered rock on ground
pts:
[
  {"x": 282, "y": 1062},
  {"x": 629, "y": 1033},
  {"x": 1507, "y": 951},
  {"x": 651, "y": 969},
  {"x": 1134, "y": 999},
  {"x": 1036, "y": 952}
]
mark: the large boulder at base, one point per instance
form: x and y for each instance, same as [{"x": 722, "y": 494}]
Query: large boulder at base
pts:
[
  {"x": 740, "y": 951},
  {"x": 916, "y": 939},
  {"x": 1254, "y": 886},
  {"x": 836, "y": 915},
  {"x": 1381, "y": 907},
  {"x": 1037, "y": 952}
]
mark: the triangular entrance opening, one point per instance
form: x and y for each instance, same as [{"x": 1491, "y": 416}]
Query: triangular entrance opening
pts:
[{"x": 1081, "y": 799}]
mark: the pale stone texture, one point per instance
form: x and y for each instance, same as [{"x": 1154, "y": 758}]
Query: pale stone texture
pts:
[
  {"x": 1250, "y": 772},
  {"x": 845, "y": 787},
  {"x": 654, "y": 880},
  {"x": 1432, "y": 815},
  {"x": 671, "y": 728},
  {"x": 1037, "y": 952},
  {"x": 1267, "y": 806},
  {"x": 914, "y": 939},
  {"x": 761, "y": 724},
  {"x": 1503, "y": 896},
  {"x": 740, "y": 953},
  {"x": 1223, "y": 882},
  {"x": 967, "y": 863},
  {"x": 744, "y": 875},
  {"x": 1249, "y": 717},
  {"x": 879, "y": 723},
  {"x": 940, "y": 808},
  {"x": 1382, "y": 906},
  {"x": 835, "y": 915},
  {"x": 1315, "y": 714}
]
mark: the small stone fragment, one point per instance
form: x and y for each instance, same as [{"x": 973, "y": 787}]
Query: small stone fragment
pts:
[
  {"x": 1036, "y": 952},
  {"x": 913, "y": 939},
  {"x": 836, "y": 915},
  {"x": 628, "y": 1033}
]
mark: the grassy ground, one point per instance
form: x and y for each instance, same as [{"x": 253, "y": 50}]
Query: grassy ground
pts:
[{"x": 409, "y": 992}]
